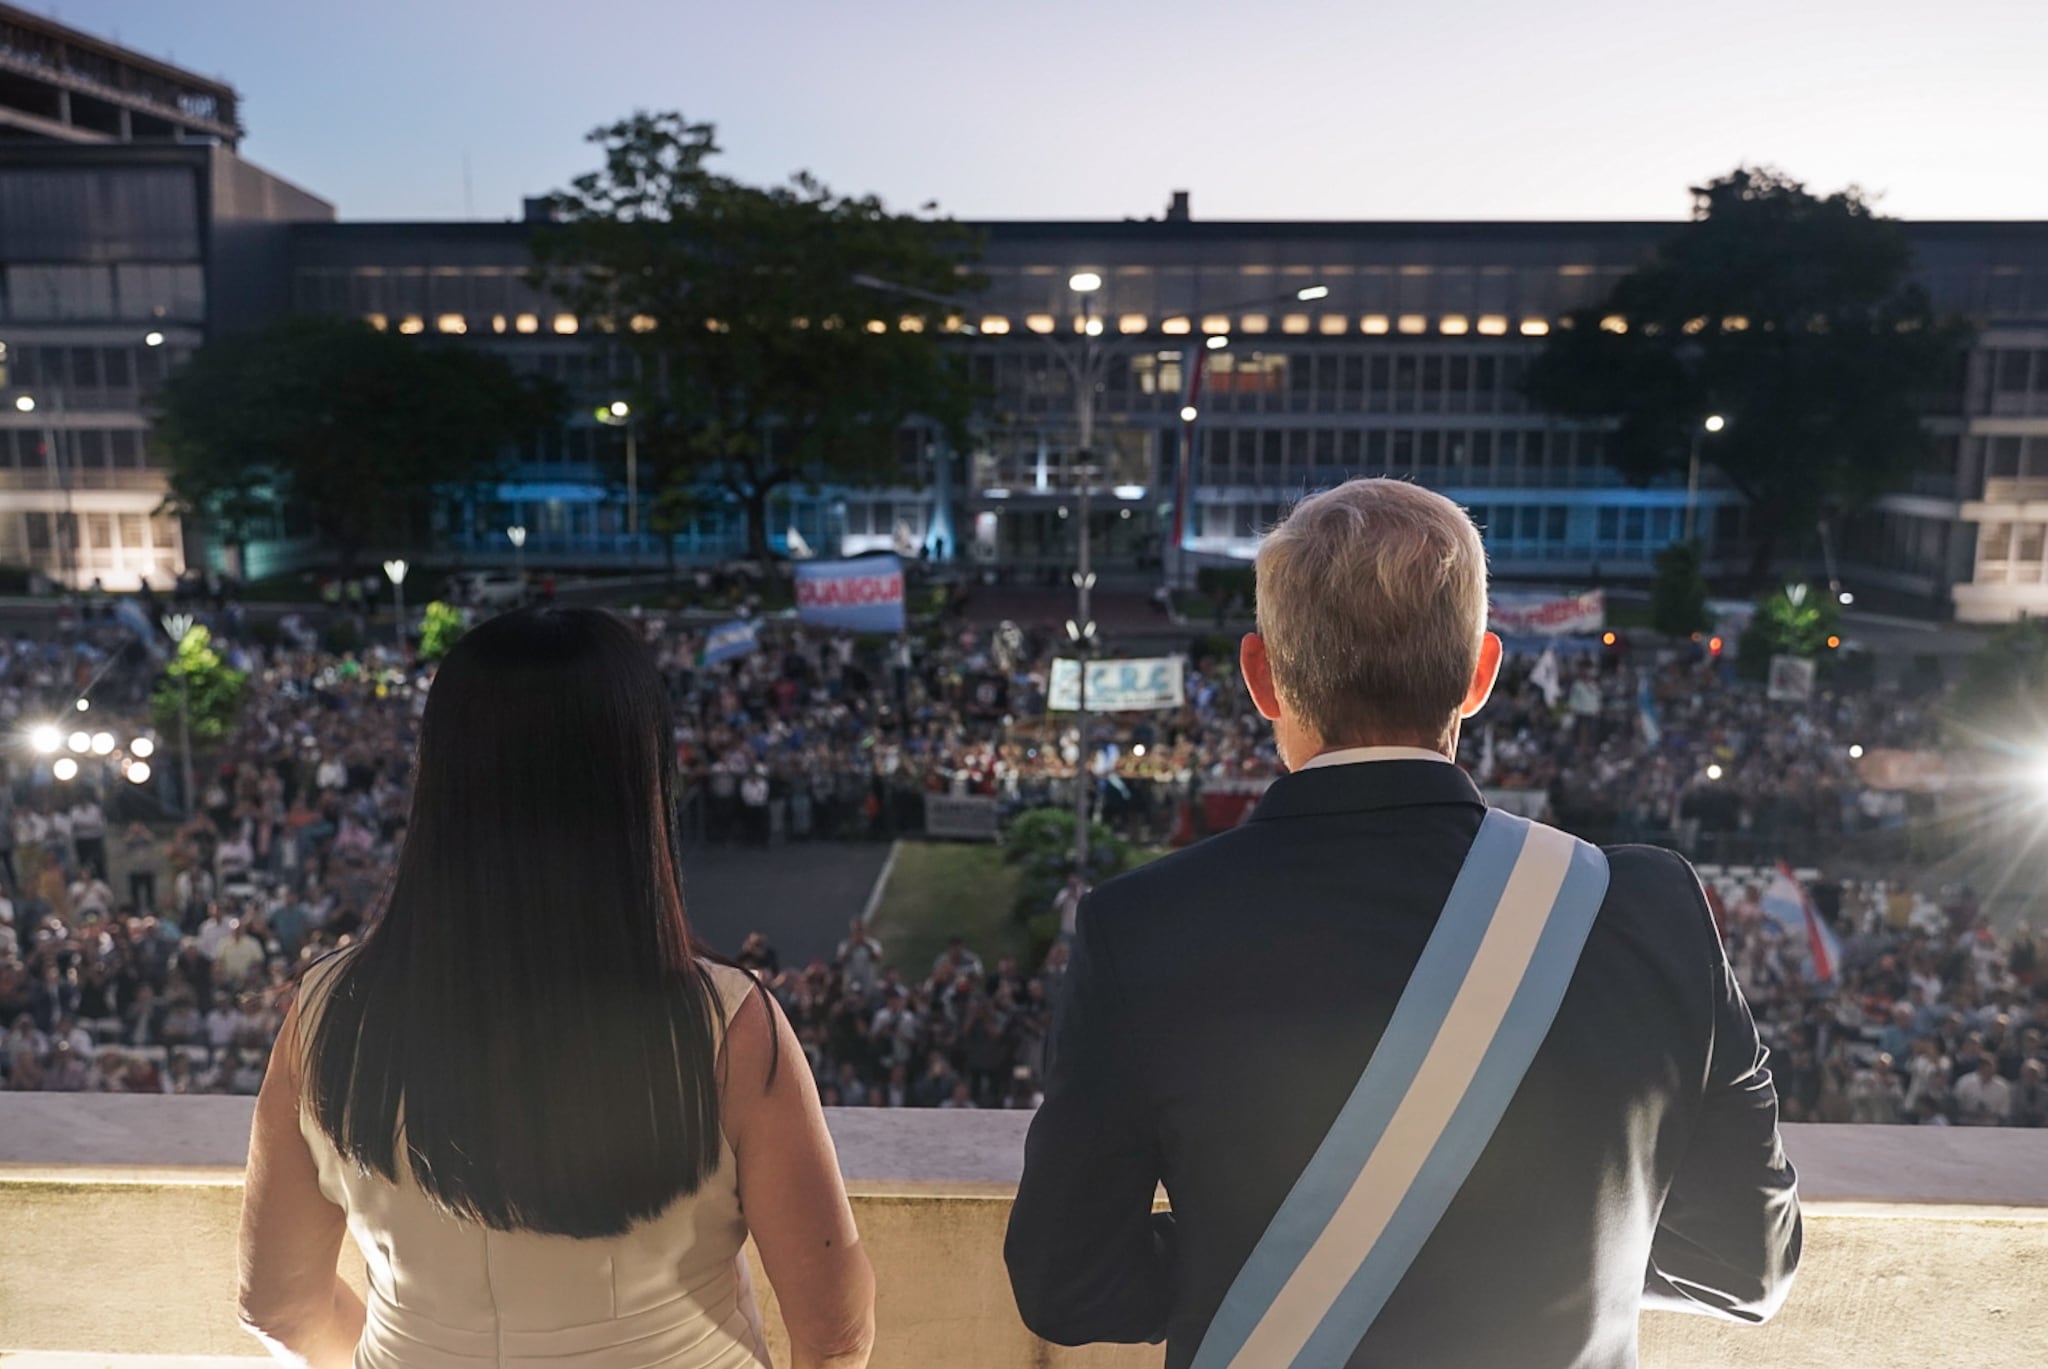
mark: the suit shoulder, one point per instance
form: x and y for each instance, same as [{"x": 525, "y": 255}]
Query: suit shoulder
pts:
[
  {"x": 1658, "y": 884},
  {"x": 1191, "y": 867}
]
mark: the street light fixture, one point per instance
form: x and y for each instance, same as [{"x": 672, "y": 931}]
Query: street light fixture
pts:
[
  {"x": 516, "y": 535},
  {"x": 1217, "y": 341},
  {"x": 179, "y": 626},
  {"x": 65, "y": 769},
  {"x": 619, "y": 414},
  {"x": 1084, "y": 282},
  {"x": 1312, "y": 292},
  {"x": 1189, "y": 413},
  {"x": 1713, "y": 423},
  {"x": 25, "y": 403},
  {"x": 82, "y": 705},
  {"x": 152, "y": 339},
  {"x": 395, "y": 570}
]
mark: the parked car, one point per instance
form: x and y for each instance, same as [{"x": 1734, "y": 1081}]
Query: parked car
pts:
[{"x": 489, "y": 588}]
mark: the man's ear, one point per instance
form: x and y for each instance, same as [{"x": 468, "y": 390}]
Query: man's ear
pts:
[
  {"x": 1483, "y": 676},
  {"x": 1258, "y": 676}
]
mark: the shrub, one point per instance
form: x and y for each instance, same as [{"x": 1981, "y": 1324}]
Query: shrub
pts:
[
  {"x": 198, "y": 681},
  {"x": 440, "y": 628},
  {"x": 1041, "y": 842},
  {"x": 1794, "y": 621}
]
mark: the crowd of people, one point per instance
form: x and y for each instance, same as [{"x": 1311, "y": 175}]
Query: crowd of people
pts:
[{"x": 174, "y": 983}]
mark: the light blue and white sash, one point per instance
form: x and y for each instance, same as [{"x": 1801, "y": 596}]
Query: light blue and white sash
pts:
[{"x": 1461, "y": 1039}]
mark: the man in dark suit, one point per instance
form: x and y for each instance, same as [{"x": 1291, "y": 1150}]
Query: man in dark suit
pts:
[{"x": 1222, "y": 1003}]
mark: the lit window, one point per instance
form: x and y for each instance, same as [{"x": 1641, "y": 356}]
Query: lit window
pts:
[
  {"x": 1456, "y": 325},
  {"x": 565, "y": 323},
  {"x": 499, "y": 323},
  {"x": 1695, "y": 325},
  {"x": 1334, "y": 324},
  {"x": 1412, "y": 324},
  {"x": 1735, "y": 323},
  {"x": 875, "y": 325},
  {"x": 1575, "y": 270},
  {"x": 1294, "y": 323},
  {"x": 1215, "y": 323},
  {"x": 377, "y": 321},
  {"x": 527, "y": 323},
  {"x": 641, "y": 323},
  {"x": 995, "y": 325},
  {"x": 717, "y": 325},
  {"x": 1038, "y": 323},
  {"x": 1535, "y": 327},
  {"x": 911, "y": 323},
  {"x": 1614, "y": 323},
  {"x": 1091, "y": 326},
  {"x": 1176, "y": 326},
  {"x": 451, "y": 323},
  {"x": 954, "y": 323},
  {"x": 412, "y": 323},
  {"x": 1254, "y": 323},
  {"x": 1131, "y": 323},
  {"x": 1375, "y": 324},
  {"x": 1493, "y": 325}
]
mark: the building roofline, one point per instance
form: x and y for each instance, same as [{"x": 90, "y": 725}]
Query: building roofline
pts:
[{"x": 107, "y": 48}]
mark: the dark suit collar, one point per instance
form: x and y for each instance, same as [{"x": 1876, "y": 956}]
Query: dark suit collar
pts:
[{"x": 1365, "y": 787}]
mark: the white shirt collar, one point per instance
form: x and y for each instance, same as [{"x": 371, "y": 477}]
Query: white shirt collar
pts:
[{"x": 1358, "y": 755}]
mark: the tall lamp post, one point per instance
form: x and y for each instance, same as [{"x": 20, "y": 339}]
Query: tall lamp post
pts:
[
  {"x": 619, "y": 414},
  {"x": 395, "y": 572},
  {"x": 1084, "y": 364},
  {"x": 516, "y": 535},
  {"x": 1712, "y": 423},
  {"x": 178, "y": 626}
]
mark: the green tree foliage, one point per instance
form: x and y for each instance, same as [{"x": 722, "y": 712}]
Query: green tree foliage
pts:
[
  {"x": 1789, "y": 313},
  {"x": 1678, "y": 597},
  {"x": 196, "y": 677},
  {"x": 762, "y": 360},
  {"x": 355, "y": 426},
  {"x": 1796, "y": 620},
  {"x": 440, "y": 628},
  {"x": 1040, "y": 843}
]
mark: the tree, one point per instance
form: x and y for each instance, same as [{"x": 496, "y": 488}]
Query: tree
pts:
[
  {"x": 1789, "y": 313},
  {"x": 761, "y": 359},
  {"x": 199, "y": 683},
  {"x": 1678, "y": 598},
  {"x": 1796, "y": 620},
  {"x": 441, "y": 627},
  {"x": 357, "y": 427}
]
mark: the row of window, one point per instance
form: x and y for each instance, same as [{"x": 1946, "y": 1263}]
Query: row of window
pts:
[
  {"x": 1301, "y": 458},
  {"x": 128, "y": 291},
  {"x": 85, "y": 448},
  {"x": 2010, "y": 553},
  {"x": 1512, "y": 531},
  {"x": 79, "y": 372}
]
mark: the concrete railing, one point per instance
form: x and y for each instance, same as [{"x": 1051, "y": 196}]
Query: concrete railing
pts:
[{"x": 1925, "y": 1247}]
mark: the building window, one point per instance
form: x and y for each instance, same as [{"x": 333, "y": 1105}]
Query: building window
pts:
[
  {"x": 1373, "y": 324},
  {"x": 1413, "y": 324},
  {"x": 527, "y": 323},
  {"x": 451, "y": 323},
  {"x": 565, "y": 323},
  {"x": 1039, "y": 323},
  {"x": 412, "y": 323}
]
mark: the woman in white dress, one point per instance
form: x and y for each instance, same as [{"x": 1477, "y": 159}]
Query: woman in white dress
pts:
[{"x": 547, "y": 1120}]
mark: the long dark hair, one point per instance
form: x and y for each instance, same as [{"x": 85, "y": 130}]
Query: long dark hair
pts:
[{"x": 530, "y": 1019}]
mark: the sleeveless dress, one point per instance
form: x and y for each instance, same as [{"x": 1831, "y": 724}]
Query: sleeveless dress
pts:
[{"x": 450, "y": 1294}]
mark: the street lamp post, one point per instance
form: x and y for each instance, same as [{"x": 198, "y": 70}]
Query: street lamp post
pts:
[
  {"x": 1081, "y": 630},
  {"x": 619, "y": 414},
  {"x": 395, "y": 571},
  {"x": 178, "y": 626},
  {"x": 516, "y": 535},
  {"x": 1713, "y": 423}
]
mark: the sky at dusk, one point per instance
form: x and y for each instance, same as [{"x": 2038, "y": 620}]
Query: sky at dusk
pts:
[{"x": 1331, "y": 109}]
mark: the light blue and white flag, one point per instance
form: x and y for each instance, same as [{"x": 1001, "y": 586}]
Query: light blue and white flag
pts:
[
  {"x": 1646, "y": 709},
  {"x": 730, "y": 641}
]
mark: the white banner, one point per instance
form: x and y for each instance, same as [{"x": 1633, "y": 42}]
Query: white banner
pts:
[
  {"x": 1791, "y": 679},
  {"x": 1530, "y": 615},
  {"x": 972, "y": 817},
  {"x": 1119, "y": 686}
]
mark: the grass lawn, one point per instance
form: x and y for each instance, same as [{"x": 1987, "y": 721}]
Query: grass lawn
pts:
[
  {"x": 943, "y": 889},
  {"x": 940, "y": 890}
]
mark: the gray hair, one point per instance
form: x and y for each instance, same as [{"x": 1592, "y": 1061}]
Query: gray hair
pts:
[{"x": 1372, "y": 604}]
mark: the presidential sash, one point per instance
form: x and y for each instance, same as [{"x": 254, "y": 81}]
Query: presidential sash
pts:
[{"x": 1482, "y": 998}]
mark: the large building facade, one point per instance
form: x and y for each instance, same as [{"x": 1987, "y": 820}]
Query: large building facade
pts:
[
  {"x": 1326, "y": 350},
  {"x": 129, "y": 231}
]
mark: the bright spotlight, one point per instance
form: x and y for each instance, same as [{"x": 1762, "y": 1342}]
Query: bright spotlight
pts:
[
  {"x": 142, "y": 748},
  {"x": 103, "y": 743},
  {"x": 82, "y": 705},
  {"x": 152, "y": 339},
  {"x": 65, "y": 768},
  {"x": 620, "y": 408},
  {"x": 25, "y": 403},
  {"x": 1081, "y": 282},
  {"x": 1846, "y": 597},
  {"x": 45, "y": 739},
  {"x": 1188, "y": 413},
  {"x": 1217, "y": 341},
  {"x": 1856, "y": 752},
  {"x": 1138, "y": 750},
  {"x": 138, "y": 773},
  {"x": 1309, "y": 292},
  {"x": 1713, "y": 772},
  {"x": 80, "y": 742},
  {"x": 1715, "y": 423}
]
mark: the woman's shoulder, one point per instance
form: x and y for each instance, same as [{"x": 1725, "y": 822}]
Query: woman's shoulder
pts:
[{"x": 732, "y": 984}]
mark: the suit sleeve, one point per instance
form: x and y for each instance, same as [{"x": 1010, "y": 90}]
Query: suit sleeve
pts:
[
  {"x": 1088, "y": 1259},
  {"x": 1728, "y": 1241}
]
